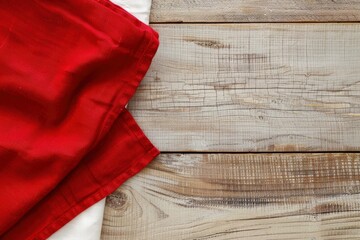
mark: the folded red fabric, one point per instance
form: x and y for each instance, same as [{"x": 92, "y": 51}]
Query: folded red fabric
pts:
[
  {"x": 124, "y": 151},
  {"x": 67, "y": 70}
]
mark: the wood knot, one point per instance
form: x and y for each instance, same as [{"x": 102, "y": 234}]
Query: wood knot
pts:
[{"x": 117, "y": 200}]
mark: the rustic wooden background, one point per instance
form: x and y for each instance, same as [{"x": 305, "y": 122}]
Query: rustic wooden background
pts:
[{"x": 255, "y": 106}]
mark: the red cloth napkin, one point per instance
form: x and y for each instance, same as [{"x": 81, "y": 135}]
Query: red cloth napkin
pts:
[{"x": 67, "y": 70}]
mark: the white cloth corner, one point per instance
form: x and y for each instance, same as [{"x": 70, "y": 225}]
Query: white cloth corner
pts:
[{"x": 87, "y": 225}]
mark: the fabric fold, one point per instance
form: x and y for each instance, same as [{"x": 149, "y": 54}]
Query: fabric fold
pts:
[
  {"x": 87, "y": 226},
  {"x": 94, "y": 178},
  {"x": 66, "y": 73}
]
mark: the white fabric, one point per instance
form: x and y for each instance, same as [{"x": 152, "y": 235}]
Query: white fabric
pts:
[
  {"x": 139, "y": 8},
  {"x": 87, "y": 225}
]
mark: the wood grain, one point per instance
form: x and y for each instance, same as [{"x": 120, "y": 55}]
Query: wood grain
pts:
[
  {"x": 239, "y": 196},
  {"x": 253, "y": 87},
  {"x": 255, "y": 11}
]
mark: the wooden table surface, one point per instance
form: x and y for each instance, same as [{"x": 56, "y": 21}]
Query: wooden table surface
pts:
[{"x": 255, "y": 106}]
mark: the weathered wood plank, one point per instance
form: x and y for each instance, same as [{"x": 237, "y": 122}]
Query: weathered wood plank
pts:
[
  {"x": 253, "y": 87},
  {"x": 255, "y": 11},
  {"x": 239, "y": 196}
]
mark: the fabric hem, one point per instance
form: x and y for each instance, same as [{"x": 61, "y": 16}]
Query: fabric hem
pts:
[
  {"x": 147, "y": 50},
  {"x": 106, "y": 189}
]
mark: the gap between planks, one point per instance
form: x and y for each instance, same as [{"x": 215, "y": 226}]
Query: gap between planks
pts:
[
  {"x": 255, "y": 22},
  {"x": 259, "y": 152}
]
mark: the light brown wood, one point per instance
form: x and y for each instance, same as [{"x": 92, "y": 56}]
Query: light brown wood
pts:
[
  {"x": 255, "y": 10},
  {"x": 276, "y": 87},
  {"x": 253, "y": 87},
  {"x": 239, "y": 196}
]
